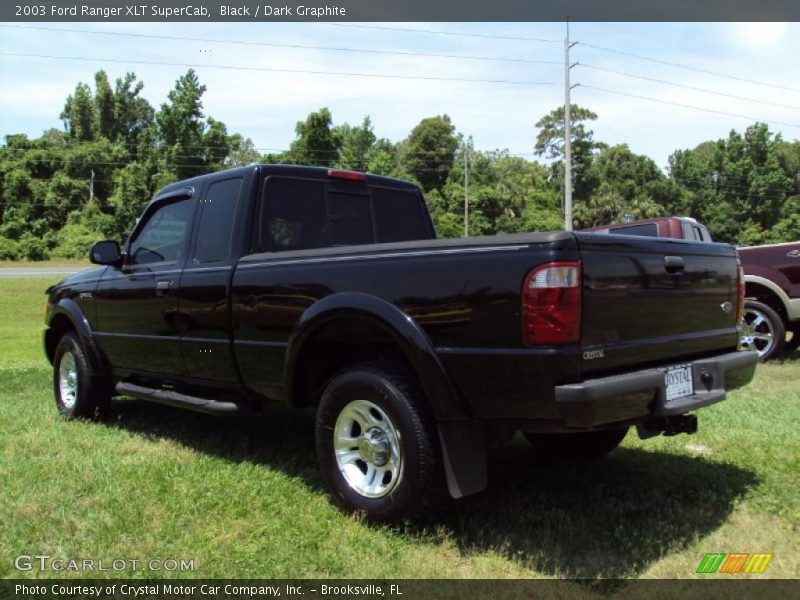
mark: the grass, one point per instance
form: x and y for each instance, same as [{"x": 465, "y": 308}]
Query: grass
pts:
[
  {"x": 243, "y": 498},
  {"x": 44, "y": 264}
]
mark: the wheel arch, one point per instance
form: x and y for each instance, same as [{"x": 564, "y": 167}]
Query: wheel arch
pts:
[
  {"x": 348, "y": 327},
  {"x": 67, "y": 316},
  {"x": 767, "y": 291}
]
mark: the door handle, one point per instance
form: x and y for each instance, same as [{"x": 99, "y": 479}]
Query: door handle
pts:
[
  {"x": 674, "y": 264},
  {"x": 163, "y": 287}
]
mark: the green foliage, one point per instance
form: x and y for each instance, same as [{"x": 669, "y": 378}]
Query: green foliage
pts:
[
  {"x": 114, "y": 149},
  {"x": 741, "y": 187},
  {"x": 118, "y": 150},
  {"x": 317, "y": 142},
  {"x": 83, "y": 228},
  {"x": 629, "y": 184},
  {"x": 428, "y": 152}
]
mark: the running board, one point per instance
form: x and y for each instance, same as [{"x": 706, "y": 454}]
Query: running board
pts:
[{"x": 172, "y": 398}]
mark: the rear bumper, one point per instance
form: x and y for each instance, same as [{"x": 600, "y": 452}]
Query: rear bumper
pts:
[{"x": 641, "y": 394}]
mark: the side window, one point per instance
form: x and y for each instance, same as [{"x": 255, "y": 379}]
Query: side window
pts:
[
  {"x": 215, "y": 228},
  {"x": 351, "y": 221},
  {"x": 293, "y": 215},
  {"x": 399, "y": 216},
  {"x": 163, "y": 236}
]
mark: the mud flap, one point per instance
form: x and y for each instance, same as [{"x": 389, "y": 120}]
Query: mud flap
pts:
[{"x": 464, "y": 455}]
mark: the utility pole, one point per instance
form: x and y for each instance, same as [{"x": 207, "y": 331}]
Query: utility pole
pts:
[
  {"x": 466, "y": 190},
  {"x": 91, "y": 187},
  {"x": 567, "y": 136}
]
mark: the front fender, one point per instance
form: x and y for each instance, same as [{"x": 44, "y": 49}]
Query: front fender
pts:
[
  {"x": 69, "y": 309},
  {"x": 445, "y": 401}
]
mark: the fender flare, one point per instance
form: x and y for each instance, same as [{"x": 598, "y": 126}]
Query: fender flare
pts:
[
  {"x": 70, "y": 309},
  {"x": 444, "y": 399},
  {"x": 771, "y": 286}
]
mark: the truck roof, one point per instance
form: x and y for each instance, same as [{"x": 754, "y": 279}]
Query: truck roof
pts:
[{"x": 290, "y": 171}]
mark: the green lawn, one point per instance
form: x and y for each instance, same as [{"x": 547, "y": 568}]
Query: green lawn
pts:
[
  {"x": 243, "y": 498},
  {"x": 43, "y": 264}
]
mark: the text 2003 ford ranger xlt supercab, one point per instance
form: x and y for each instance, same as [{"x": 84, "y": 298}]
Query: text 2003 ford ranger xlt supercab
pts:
[{"x": 327, "y": 289}]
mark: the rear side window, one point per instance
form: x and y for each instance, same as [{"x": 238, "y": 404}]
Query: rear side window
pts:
[
  {"x": 217, "y": 214},
  {"x": 399, "y": 215},
  {"x": 293, "y": 215},
  {"x": 645, "y": 229}
]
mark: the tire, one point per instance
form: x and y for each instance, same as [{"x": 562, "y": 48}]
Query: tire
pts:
[
  {"x": 577, "y": 446},
  {"x": 763, "y": 330},
  {"x": 386, "y": 460},
  {"x": 78, "y": 394},
  {"x": 794, "y": 342}
]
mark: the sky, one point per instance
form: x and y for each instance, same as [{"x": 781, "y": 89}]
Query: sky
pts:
[{"x": 749, "y": 70}]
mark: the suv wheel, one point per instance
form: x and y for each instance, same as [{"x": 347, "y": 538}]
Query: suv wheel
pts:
[
  {"x": 377, "y": 444},
  {"x": 762, "y": 329},
  {"x": 794, "y": 342},
  {"x": 77, "y": 392},
  {"x": 577, "y": 446}
]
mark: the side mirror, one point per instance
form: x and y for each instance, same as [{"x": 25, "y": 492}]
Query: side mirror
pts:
[{"x": 106, "y": 252}]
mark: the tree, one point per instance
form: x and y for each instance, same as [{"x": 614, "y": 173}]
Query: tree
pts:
[
  {"x": 550, "y": 143},
  {"x": 629, "y": 184},
  {"x": 355, "y": 143},
  {"x": 550, "y": 139},
  {"x": 133, "y": 114},
  {"x": 428, "y": 152},
  {"x": 80, "y": 115},
  {"x": 739, "y": 186},
  {"x": 316, "y": 143}
]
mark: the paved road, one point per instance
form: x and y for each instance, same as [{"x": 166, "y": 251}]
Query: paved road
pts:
[{"x": 40, "y": 272}]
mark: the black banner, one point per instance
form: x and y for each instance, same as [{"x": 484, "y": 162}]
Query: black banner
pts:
[
  {"x": 404, "y": 10},
  {"x": 401, "y": 589}
]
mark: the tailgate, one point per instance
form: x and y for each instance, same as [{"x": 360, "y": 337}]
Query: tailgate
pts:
[{"x": 653, "y": 300}]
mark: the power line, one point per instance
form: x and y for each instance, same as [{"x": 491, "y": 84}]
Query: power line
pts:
[
  {"x": 688, "y": 87},
  {"x": 274, "y": 70},
  {"x": 689, "y": 106},
  {"x": 277, "y": 45},
  {"x": 688, "y": 67},
  {"x": 447, "y": 33}
]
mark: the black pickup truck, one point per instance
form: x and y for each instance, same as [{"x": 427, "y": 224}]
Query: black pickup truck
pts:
[{"x": 327, "y": 289}]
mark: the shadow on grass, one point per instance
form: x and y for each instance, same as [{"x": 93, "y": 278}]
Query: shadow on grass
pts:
[{"x": 610, "y": 518}]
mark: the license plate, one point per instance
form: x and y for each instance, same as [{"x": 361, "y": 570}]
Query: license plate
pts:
[{"x": 678, "y": 382}]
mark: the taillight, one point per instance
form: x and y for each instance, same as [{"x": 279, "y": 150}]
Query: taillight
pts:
[
  {"x": 551, "y": 304},
  {"x": 348, "y": 175},
  {"x": 740, "y": 305}
]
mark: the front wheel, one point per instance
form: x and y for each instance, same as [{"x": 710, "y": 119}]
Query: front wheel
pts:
[
  {"x": 577, "y": 446},
  {"x": 377, "y": 444},
  {"x": 762, "y": 329},
  {"x": 77, "y": 392}
]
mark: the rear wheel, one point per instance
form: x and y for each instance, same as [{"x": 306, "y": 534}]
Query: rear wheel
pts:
[
  {"x": 577, "y": 446},
  {"x": 377, "y": 444},
  {"x": 793, "y": 343},
  {"x": 77, "y": 392},
  {"x": 762, "y": 330}
]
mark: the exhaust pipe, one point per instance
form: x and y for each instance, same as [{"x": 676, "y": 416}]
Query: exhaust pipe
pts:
[{"x": 667, "y": 426}]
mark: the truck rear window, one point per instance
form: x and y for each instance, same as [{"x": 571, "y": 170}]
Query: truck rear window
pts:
[
  {"x": 646, "y": 229},
  {"x": 298, "y": 214}
]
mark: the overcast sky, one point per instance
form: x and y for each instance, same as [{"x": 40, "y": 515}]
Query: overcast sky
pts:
[{"x": 265, "y": 105}]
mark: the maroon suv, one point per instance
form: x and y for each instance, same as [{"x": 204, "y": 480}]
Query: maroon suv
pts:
[{"x": 772, "y": 278}]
